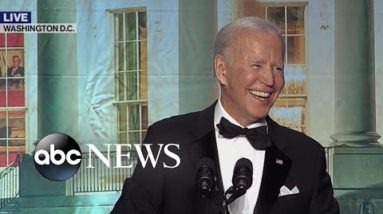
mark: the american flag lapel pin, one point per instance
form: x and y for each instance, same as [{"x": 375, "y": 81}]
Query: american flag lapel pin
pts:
[{"x": 279, "y": 161}]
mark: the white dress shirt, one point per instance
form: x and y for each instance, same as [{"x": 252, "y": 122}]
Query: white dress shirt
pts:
[{"x": 229, "y": 152}]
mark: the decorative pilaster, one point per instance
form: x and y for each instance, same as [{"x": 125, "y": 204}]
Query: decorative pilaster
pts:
[
  {"x": 57, "y": 71},
  {"x": 354, "y": 74}
]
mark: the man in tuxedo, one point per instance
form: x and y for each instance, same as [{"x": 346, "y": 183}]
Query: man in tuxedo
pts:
[
  {"x": 15, "y": 71},
  {"x": 289, "y": 168}
]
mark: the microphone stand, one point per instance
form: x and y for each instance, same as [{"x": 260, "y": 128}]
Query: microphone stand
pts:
[
  {"x": 230, "y": 195},
  {"x": 224, "y": 208}
]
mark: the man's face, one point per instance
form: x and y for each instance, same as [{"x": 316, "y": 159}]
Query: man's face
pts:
[
  {"x": 252, "y": 78},
  {"x": 16, "y": 62}
]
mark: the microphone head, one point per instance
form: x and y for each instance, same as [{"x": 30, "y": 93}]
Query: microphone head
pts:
[
  {"x": 205, "y": 179},
  {"x": 206, "y": 162},
  {"x": 243, "y": 174}
]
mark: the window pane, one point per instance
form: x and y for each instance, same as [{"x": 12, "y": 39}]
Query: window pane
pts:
[
  {"x": 295, "y": 80},
  {"x": 121, "y": 86},
  {"x": 298, "y": 106},
  {"x": 116, "y": 57},
  {"x": 131, "y": 87},
  {"x": 17, "y": 127},
  {"x": 15, "y": 77},
  {"x": 279, "y": 114},
  {"x": 2, "y": 39},
  {"x": 15, "y": 40},
  {"x": 134, "y": 137},
  {"x": 3, "y": 74},
  {"x": 142, "y": 24},
  {"x": 120, "y": 56},
  {"x": 16, "y": 114},
  {"x": 2, "y": 92},
  {"x": 143, "y": 135},
  {"x": 295, "y": 114},
  {"x": 143, "y": 85},
  {"x": 277, "y": 16},
  {"x": 3, "y": 159},
  {"x": 143, "y": 71},
  {"x": 15, "y": 81},
  {"x": 144, "y": 117},
  {"x": 131, "y": 56},
  {"x": 295, "y": 20},
  {"x": 119, "y": 30},
  {"x": 3, "y": 125},
  {"x": 16, "y": 145},
  {"x": 130, "y": 26},
  {"x": 15, "y": 92},
  {"x": 295, "y": 50},
  {"x": 143, "y": 55},
  {"x": 122, "y": 118},
  {"x": 13, "y": 156},
  {"x": 289, "y": 112},
  {"x": 123, "y": 138},
  {"x": 134, "y": 117},
  {"x": 3, "y": 63},
  {"x": 15, "y": 58}
]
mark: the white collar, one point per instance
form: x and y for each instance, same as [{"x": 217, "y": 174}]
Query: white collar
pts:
[{"x": 221, "y": 112}]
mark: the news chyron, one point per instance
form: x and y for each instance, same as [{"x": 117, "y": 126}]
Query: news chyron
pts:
[{"x": 21, "y": 22}]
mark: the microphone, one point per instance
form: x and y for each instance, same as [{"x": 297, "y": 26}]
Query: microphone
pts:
[
  {"x": 242, "y": 180},
  {"x": 243, "y": 175},
  {"x": 205, "y": 179}
]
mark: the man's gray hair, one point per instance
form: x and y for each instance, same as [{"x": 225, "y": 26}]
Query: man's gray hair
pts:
[{"x": 227, "y": 35}]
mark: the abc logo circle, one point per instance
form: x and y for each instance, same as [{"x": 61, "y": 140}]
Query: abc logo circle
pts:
[{"x": 57, "y": 157}]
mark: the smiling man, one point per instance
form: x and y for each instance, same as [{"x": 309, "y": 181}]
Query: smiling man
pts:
[
  {"x": 289, "y": 170},
  {"x": 250, "y": 71}
]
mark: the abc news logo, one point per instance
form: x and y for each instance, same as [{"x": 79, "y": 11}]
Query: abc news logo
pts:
[{"x": 58, "y": 157}]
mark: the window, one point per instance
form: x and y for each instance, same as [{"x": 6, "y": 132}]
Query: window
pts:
[
  {"x": 290, "y": 108},
  {"x": 130, "y": 45},
  {"x": 12, "y": 97}
]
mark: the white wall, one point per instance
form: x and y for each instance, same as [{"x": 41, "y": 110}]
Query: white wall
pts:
[
  {"x": 225, "y": 12},
  {"x": 98, "y": 117},
  {"x": 320, "y": 64}
]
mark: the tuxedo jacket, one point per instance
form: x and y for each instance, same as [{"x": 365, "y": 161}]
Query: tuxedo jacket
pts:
[
  {"x": 19, "y": 72},
  {"x": 293, "y": 160}
]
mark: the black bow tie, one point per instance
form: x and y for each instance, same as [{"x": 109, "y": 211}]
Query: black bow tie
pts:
[{"x": 257, "y": 137}]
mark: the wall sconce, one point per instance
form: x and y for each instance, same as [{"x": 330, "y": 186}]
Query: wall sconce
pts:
[{"x": 324, "y": 27}]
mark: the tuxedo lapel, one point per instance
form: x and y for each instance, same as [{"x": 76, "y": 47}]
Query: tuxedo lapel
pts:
[
  {"x": 205, "y": 144},
  {"x": 206, "y": 147},
  {"x": 202, "y": 133},
  {"x": 275, "y": 171}
]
